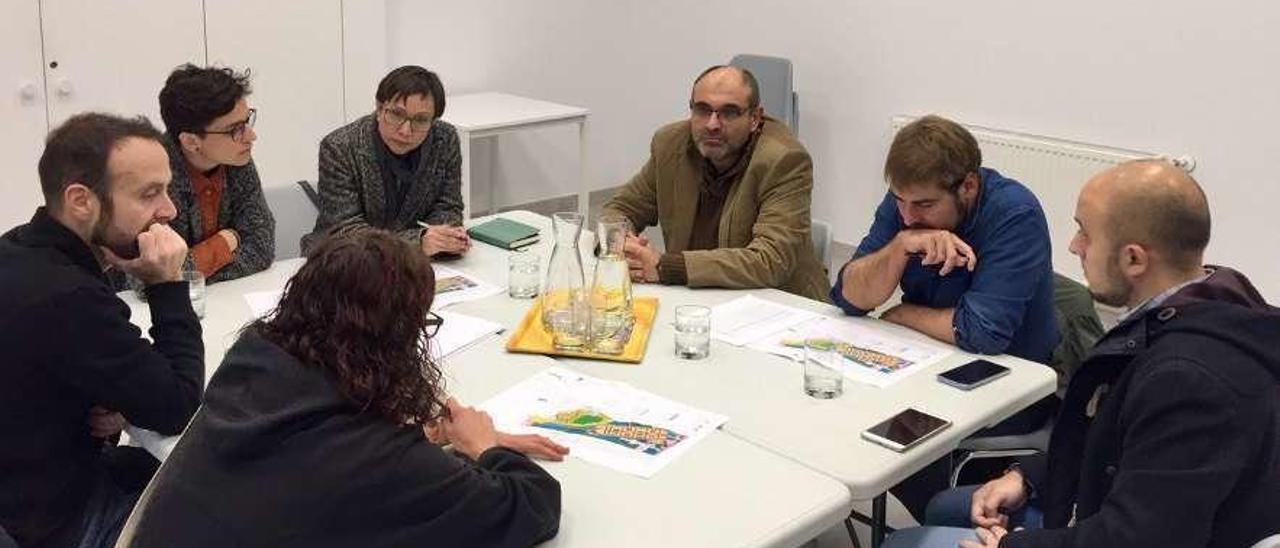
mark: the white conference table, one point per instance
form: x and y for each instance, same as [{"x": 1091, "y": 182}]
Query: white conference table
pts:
[
  {"x": 763, "y": 394},
  {"x": 726, "y": 491},
  {"x": 489, "y": 114}
]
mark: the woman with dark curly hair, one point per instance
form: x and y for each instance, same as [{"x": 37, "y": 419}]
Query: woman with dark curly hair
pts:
[{"x": 314, "y": 429}]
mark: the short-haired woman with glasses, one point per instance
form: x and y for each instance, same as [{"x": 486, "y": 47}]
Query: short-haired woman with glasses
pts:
[
  {"x": 222, "y": 213},
  {"x": 317, "y": 428},
  {"x": 399, "y": 169}
]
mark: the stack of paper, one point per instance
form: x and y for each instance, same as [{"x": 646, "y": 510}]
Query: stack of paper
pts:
[
  {"x": 460, "y": 331},
  {"x": 749, "y": 318},
  {"x": 602, "y": 422}
]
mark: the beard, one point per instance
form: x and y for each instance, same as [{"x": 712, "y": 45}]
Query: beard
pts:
[
  {"x": 1115, "y": 289},
  {"x": 123, "y": 245},
  {"x": 726, "y": 149},
  {"x": 963, "y": 210}
]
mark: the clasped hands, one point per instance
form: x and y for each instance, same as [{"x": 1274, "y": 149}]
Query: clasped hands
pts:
[{"x": 642, "y": 259}]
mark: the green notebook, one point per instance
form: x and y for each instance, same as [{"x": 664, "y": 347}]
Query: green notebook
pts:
[{"x": 504, "y": 233}]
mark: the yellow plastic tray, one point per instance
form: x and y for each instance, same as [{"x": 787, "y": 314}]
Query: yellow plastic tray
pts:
[{"x": 531, "y": 338}]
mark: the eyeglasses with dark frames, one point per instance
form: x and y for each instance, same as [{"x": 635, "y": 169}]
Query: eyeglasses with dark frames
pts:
[
  {"x": 397, "y": 118},
  {"x": 727, "y": 113},
  {"x": 433, "y": 324},
  {"x": 237, "y": 130}
]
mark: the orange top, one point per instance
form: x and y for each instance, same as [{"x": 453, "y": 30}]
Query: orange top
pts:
[{"x": 213, "y": 252}]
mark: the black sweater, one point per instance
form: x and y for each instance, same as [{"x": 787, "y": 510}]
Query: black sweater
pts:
[
  {"x": 279, "y": 457},
  {"x": 66, "y": 344}
]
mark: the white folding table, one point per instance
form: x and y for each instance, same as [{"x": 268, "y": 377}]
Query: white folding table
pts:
[{"x": 489, "y": 114}]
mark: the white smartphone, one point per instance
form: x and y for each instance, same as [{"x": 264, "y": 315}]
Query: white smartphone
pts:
[
  {"x": 973, "y": 374},
  {"x": 905, "y": 430}
]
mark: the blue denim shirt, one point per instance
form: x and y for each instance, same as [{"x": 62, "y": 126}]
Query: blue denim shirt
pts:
[{"x": 1005, "y": 306}]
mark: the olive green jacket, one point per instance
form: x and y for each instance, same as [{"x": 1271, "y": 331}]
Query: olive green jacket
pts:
[{"x": 764, "y": 236}]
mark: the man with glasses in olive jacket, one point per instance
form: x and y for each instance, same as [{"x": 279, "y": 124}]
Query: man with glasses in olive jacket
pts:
[{"x": 731, "y": 190}]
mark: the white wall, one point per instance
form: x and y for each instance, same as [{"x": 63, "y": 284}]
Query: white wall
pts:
[
  {"x": 1172, "y": 76},
  {"x": 364, "y": 53}
]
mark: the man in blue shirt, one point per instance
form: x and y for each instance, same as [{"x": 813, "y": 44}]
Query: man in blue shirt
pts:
[{"x": 970, "y": 249}]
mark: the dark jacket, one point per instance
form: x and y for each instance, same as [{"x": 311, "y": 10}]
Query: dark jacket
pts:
[
  {"x": 279, "y": 457},
  {"x": 243, "y": 209},
  {"x": 353, "y": 192},
  {"x": 1184, "y": 447},
  {"x": 66, "y": 344}
]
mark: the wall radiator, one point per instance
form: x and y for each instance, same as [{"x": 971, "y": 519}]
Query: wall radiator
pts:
[{"x": 1054, "y": 169}]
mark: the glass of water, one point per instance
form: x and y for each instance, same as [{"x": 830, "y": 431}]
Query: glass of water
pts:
[
  {"x": 523, "y": 274},
  {"x": 195, "y": 283},
  {"x": 822, "y": 376},
  {"x": 693, "y": 332}
]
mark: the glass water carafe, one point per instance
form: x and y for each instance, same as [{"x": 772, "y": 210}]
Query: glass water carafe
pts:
[
  {"x": 611, "y": 312},
  {"x": 566, "y": 312}
]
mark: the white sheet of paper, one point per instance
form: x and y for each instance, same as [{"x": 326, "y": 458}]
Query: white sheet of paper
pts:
[
  {"x": 453, "y": 286},
  {"x": 460, "y": 331},
  {"x": 871, "y": 356},
  {"x": 263, "y": 302},
  {"x": 155, "y": 443},
  {"x": 457, "y": 287},
  {"x": 749, "y": 318},
  {"x": 603, "y": 422}
]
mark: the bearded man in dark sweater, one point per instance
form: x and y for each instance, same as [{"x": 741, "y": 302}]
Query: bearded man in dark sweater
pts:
[{"x": 73, "y": 369}]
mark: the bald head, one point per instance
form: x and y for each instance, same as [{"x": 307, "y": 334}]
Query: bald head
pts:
[
  {"x": 721, "y": 77},
  {"x": 1155, "y": 204}
]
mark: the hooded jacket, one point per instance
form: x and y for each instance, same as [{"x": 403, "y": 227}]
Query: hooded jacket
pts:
[
  {"x": 279, "y": 457},
  {"x": 1169, "y": 434}
]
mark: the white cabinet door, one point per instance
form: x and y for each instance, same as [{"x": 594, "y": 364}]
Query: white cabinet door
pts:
[
  {"x": 21, "y": 110},
  {"x": 113, "y": 55},
  {"x": 294, "y": 50}
]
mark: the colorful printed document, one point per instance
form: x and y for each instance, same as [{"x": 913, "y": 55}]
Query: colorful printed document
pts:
[
  {"x": 870, "y": 355},
  {"x": 453, "y": 287},
  {"x": 603, "y": 422}
]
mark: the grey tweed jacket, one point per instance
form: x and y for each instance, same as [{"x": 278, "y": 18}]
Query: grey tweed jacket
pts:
[
  {"x": 243, "y": 209},
  {"x": 352, "y": 189}
]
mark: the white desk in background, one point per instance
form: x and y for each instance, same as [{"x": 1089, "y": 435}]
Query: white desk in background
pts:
[
  {"x": 726, "y": 491},
  {"x": 481, "y": 115}
]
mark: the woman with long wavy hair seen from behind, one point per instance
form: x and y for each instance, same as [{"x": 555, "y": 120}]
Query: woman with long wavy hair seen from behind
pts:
[{"x": 314, "y": 430}]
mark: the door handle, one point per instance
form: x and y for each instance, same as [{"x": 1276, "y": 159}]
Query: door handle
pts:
[
  {"x": 27, "y": 91},
  {"x": 64, "y": 88}
]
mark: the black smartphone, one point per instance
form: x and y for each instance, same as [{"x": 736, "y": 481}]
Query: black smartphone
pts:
[
  {"x": 973, "y": 374},
  {"x": 904, "y": 430}
]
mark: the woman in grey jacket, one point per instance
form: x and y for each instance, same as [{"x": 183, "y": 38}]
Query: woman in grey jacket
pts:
[{"x": 398, "y": 169}]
